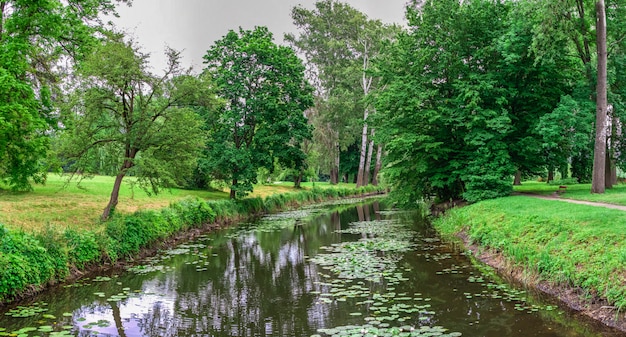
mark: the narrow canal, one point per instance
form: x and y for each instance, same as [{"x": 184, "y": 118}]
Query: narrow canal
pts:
[{"x": 351, "y": 269}]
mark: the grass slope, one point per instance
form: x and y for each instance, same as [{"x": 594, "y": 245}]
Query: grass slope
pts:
[{"x": 574, "y": 245}]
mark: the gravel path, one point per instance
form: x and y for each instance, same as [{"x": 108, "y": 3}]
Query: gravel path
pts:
[{"x": 580, "y": 202}]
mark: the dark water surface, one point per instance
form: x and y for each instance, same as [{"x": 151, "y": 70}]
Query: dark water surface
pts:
[{"x": 338, "y": 270}]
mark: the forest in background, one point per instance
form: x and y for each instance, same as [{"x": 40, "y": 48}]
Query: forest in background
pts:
[{"x": 467, "y": 99}]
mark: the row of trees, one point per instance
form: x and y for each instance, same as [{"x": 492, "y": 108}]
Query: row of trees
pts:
[
  {"x": 77, "y": 96},
  {"x": 472, "y": 94},
  {"x": 480, "y": 91}
]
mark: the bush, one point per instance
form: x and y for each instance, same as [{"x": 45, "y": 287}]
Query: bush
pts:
[
  {"x": 83, "y": 247},
  {"x": 23, "y": 262}
]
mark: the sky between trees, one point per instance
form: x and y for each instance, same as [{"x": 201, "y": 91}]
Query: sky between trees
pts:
[{"x": 191, "y": 26}]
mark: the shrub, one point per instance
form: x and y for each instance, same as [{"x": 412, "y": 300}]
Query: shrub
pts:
[
  {"x": 83, "y": 247},
  {"x": 23, "y": 262}
]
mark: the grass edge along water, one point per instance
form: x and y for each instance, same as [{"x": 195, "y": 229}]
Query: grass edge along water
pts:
[
  {"x": 568, "y": 245},
  {"x": 31, "y": 261}
]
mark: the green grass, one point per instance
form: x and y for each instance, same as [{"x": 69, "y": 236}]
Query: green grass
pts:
[
  {"x": 615, "y": 195},
  {"x": 79, "y": 205},
  {"x": 568, "y": 244}
]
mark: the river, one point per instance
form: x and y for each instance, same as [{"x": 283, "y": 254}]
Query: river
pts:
[{"x": 351, "y": 268}]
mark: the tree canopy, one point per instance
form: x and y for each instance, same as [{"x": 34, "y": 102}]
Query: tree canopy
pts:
[
  {"x": 143, "y": 120},
  {"x": 34, "y": 37},
  {"x": 262, "y": 120}
]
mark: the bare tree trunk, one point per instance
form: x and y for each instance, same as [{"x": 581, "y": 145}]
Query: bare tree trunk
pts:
[
  {"x": 113, "y": 200},
  {"x": 550, "y": 174},
  {"x": 518, "y": 178},
  {"x": 368, "y": 161},
  {"x": 379, "y": 164},
  {"x": 376, "y": 206},
  {"x": 117, "y": 318},
  {"x": 599, "y": 154},
  {"x": 360, "y": 213},
  {"x": 366, "y": 84},
  {"x": 115, "y": 193},
  {"x": 608, "y": 169},
  {"x": 361, "y": 174},
  {"x": 297, "y": 183},
  {"x": 334, "y": 172},
  {"x": 2, "y": 7},
  {"x": 613, "y": 144}
]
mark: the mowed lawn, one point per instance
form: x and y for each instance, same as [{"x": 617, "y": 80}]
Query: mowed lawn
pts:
[
  {"x": 615, "y": 195},
  {"x": 62, "y": 205}
]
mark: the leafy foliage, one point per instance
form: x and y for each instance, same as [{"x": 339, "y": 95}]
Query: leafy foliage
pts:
[
  {"x": 478, "y": 103},
  {"x": 142, "y": 119},
  {"x": 263, "y": 119},
  {"x": 34, "y": 38}
]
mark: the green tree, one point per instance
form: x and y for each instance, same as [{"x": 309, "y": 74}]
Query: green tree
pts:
[
  {"x": 263, "y": 119},
  {"x": 534, "y": 87},
  {"x": 443, "y": 115},
  {"x": 146, "y": 118},
  {"x": 329, "y": 41},
  {"x": 34, "y": 37}
]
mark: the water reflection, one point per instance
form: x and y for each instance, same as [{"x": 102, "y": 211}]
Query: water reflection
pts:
[{"x": 261, "y": 282}]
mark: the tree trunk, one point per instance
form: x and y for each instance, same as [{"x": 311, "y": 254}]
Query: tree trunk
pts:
[
  {"x": 298, "y": 180},
  {"x": 115, "y": 193},
  {"x": 613, "y": 148},
  {"x": 550, "y": 175},
  {"x": 360, "y": 213},
  {"x": 233, "y": 192},
  {"x": 361, "y": 174},
  {"x": 368, "y": 161},
  {"x": 117, "y": 318},
  {"x": 334, "y": 171},
  {"x": 379, "y": 164},
  {"x": 113, "y": 200},
  {"x": 2, "y": 7},
  {"x": 608, "y": 169},
  {"x": 518, "y": 178},
  {"x": 564, "y": 172},
  {"x": 599, "y": 154}
]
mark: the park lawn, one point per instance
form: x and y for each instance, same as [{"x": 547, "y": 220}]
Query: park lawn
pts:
[
  {"x": 63, "y": 205},
  {"x": 615, "y": 195},
  {"x": 570, "y": 245},
  {"x": 80, "y": 205}
]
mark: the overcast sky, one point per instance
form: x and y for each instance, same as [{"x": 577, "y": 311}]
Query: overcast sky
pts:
[{"x": 193, "y": 25}]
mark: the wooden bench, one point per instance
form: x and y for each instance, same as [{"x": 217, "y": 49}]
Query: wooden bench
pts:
[{"x": 562, "y": 189}]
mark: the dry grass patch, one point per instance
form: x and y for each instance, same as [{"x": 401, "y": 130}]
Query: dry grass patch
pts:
[{"x": 80, "y": 205}]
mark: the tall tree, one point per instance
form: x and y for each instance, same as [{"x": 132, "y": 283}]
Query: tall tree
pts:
[
  {"x": 443, "y": 115},
  {"x": 263, "y": 119},
  {"x": 34, "y": 37},
  {"x": 119, "y": 103},
  {"x": 328, "y": 40},
  {"x": 599, "y": 155}
]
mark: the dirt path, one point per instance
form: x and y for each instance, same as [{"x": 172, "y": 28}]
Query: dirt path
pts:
[{"x": 572, "y": 201}]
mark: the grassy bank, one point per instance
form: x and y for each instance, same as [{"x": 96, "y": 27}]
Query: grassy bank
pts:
[
  {"x": 30, "y": 260},
  {"x": 569, "y": 245},
  {"x": 79, "y": 206}
]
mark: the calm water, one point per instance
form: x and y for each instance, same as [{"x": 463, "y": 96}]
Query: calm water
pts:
[{"x": 319, "y": 271}]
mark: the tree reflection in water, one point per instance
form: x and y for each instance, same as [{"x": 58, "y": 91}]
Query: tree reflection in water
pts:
[{"x": 255, "y": 284}]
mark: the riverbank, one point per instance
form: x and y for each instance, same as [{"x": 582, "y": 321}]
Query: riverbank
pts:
[
  {"x": 31, "y": 261},
  {"x": 575, "y": 252}
]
